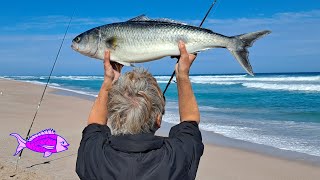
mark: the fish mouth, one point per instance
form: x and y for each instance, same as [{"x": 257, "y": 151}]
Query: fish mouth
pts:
[
  {"x": 74, "y": 46},
  {"x": 66, "y": 146},
  {"x": 83, "y": 51}
]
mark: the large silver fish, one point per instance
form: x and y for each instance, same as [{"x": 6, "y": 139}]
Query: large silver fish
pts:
[{"x": 142, "y": 39}]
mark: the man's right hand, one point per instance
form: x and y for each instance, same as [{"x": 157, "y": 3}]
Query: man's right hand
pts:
[{"x": 185, "y": 61}]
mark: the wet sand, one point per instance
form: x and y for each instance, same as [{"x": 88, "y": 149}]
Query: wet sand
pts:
[{"x": 68, "y": 115}]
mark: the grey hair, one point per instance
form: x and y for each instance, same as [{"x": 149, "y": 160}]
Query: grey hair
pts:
[{"x": 134, "y": 103}]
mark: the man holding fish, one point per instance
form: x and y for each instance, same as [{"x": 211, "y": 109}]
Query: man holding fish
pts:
[
  {"x": 132, "y": 105},
  {"x": 119, "y": 141}
]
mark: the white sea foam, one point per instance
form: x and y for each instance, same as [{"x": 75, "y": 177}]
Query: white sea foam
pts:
[
  {"x": 82, "y": 78},
  {"x": 258, "y": 132},
  {"x": 210, "y": 79},
  {"x": 252, "y": 135},
  {"x": 288, "y": 87},
  {"x": 215, "y": 83},
  {"x": 54, "y": 84},
  {"x": 57, "y": 86},
  {"x": 286, "y": 81},
  {"x": 161, "y": 82},
  {"x": 22, "y": 77},
  {"x": 77, "y": 91},
  {"x": 277, "y": 82},
  {"x": 257, "y": 78}
]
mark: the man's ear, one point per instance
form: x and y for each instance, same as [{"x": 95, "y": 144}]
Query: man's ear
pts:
[{"x": 159, "y": 120}]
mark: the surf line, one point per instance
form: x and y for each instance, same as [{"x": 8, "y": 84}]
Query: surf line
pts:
[
  {"x": 174, "y": 72},
  {"x": 44, "y": 90}
]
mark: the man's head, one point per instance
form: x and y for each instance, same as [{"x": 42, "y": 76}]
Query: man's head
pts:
[{"x": 135, "y": 104}]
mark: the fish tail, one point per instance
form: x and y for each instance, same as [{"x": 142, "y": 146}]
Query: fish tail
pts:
[
  {"x": 244, "y": 41},
  {"x": 21, "y": 142}
]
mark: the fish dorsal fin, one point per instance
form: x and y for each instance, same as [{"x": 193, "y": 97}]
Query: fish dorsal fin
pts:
[
  {"x": 145, "y": 18},
  {"x": 46, "y": 131},
  {"x": 168, "y": 21},
  {"x": 142, "y": 17}
]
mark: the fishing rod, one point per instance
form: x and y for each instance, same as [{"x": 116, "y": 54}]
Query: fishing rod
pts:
[
  {"x": 174, "y": 72},
  {"x": 45, "y": 88}
]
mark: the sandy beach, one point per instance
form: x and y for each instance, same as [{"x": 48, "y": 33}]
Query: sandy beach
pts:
[{"x": 68, "y": 115}]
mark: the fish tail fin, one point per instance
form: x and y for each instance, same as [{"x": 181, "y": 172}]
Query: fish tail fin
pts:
[
  {"x": 245, "y": 41},
  {"x": 21, "y": 142}
]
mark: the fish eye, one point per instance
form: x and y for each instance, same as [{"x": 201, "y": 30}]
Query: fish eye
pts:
[
  {"x": 77, "y": 39},
  {"x": 62, "y": 142}
]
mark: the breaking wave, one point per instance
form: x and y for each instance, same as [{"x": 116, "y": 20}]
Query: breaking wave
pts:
[
  {"x": 76, "y": 78},
  {"x": 256, "y": 135},
  {"x": 288, "y": 87},
  {"x": 257, "y": 132},
  {"x": 269, "y": 82},
  {"x": 57, "y": 86},
  {"x": 310, "y": 83},
  {"x": 244, "y": 78}
]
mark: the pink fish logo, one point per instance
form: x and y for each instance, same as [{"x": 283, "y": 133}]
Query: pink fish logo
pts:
[{"x": 46, "y": 141}]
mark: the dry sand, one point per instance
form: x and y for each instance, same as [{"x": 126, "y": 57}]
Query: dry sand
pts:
[{"x": 68, "y": 115}]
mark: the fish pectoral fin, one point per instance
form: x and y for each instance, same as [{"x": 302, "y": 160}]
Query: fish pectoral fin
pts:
[
  {"x": 48, "y": 147},
  {"x": 47, "y": 154},
  {"x": 125, "y": 63},
  {"x": 111, "y": 42}
]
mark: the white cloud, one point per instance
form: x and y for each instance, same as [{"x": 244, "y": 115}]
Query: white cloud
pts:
[{"x": 57, "y": 21}]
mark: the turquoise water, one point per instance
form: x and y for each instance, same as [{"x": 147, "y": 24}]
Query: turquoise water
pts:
[{"x": 278, "y": 110}]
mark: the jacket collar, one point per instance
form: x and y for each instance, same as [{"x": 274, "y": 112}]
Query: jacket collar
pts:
[{"x": 136, "y": 143}]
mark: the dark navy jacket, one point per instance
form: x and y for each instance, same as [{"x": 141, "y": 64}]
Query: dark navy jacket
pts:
[{"x": 142, "y": 156}]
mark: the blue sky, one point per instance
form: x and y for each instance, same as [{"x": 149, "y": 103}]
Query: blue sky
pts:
[{"x": 31, "y": 32}]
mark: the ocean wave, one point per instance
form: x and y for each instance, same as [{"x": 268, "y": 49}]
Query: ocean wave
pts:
[
  {"x": 171, "y": 117},
  {"x": 208, "y": 79},
  {"x": 77, "y": 91},
  {"x": 239, "y": 79},
  {"x": 258, "y": 132},
  {"x": 255, "y": 136},
  {"x": 215, "y": 83},
  {"x": 287, "y": 87},
  {"x": 162, "y": 82},
  {"x": 54, "y": 84},
  {"x": 57, "y": 86},
  {"x": 5, "y": 77},
  {"x": 256, "y": 78},
  {"x": 22, "y": 77},
  {"x": 39, "y": 83},
  {"x": 82, "y": 78}
]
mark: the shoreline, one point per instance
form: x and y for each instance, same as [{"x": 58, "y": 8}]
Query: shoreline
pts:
[
  {"x": 209, "y": 137},
  {"x": 216, "y": 161},
  {"x": 215, "y": 139}
]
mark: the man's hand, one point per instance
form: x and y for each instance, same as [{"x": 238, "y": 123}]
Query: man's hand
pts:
[
  {"x": 112, "y": 70},
  {"x": 185, "y": 61}
]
